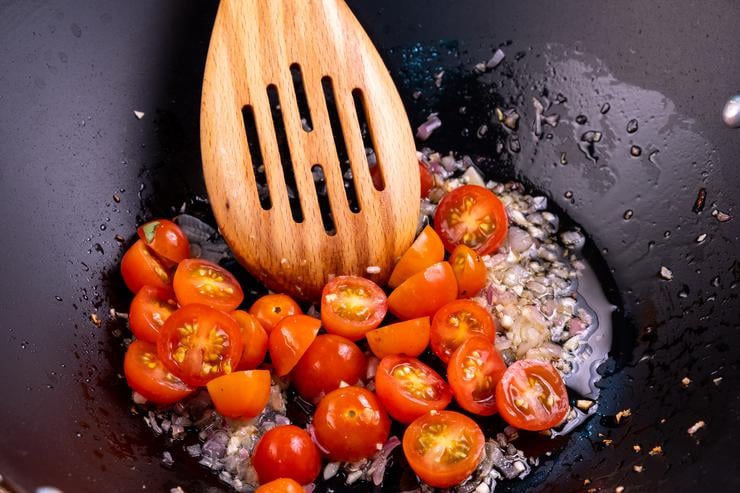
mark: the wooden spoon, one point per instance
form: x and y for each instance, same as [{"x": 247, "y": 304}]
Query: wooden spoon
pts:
[{"x": 254, "y": 45}]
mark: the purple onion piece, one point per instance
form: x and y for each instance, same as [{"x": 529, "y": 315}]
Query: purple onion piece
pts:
[{"x": 424, "y": 131}]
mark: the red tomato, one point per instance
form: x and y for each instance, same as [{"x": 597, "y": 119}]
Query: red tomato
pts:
[
  {"x": 422, "y": 294},
  {"x": 150, "y": 308},
  {"x": 408, "y": 388},
  {"x": 427, "y": 249},
  {"x": 426, "y": 179},
  {"x": 470, "y": 271},
  {"x": 286, "y": 452},
  {"x": 272, "y": 308},
  {"x": 410, "y": 338},
  {"x": 351, "y": 424},
  {"x": 531, "y": 396},
  {"x": 254, "y": 340},
  {"x": 206, "y": 283},
  {"x": 282, "y": 485},
  {"x": 146, "y": 374},
  {"x": 351, "y": 306},
  {"x": 443, "y": 447},
  {"x": 166, "y": 239},
  {"x": 471, "y": 216},
  {"x": 474, "y": 370},
  {"x": 242, "y": 394},
  {"x": 199, "y": 343},
  {"x": 140, "y": 267},
  {"x": 329, "y": 361},
  {"x": 290, "y": 339},
  {"x": 457, "y": 322}
]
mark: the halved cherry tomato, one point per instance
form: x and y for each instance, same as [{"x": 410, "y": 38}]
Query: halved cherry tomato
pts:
[
  {"x": 147, "y": 375},
  {"x": 443, "y": 447},
  {"x": 141, "y": 267},
  {"x": 532, "y": 396},
  {"x": 427, "y": 249},
  {"x": 470, "y": 271},
  {"x": 329, "y": 361},
  {"x": 410, "y": 338},
  {"x": 351, "y": 424},
  {"x": 202, "y": 281},
  {"x": 422, "y": 294},
  {"x": 455, "y": 323},
  {"x": 166, "y": 239},
  {"x": 473, "y": 372},
  {"x": 351, "y": 306},
  {"x": 272, "y": 308},
  {"x": 254, "y": 340},
  {"x": 199, "y": 343},
  {"x": 286, "y": 452},
  {"x": 408, "y": 388},
  {"x": 471, "y": 216},
  {"x": 242, "y": 394},
  {"x": 150, "y": 308},
  {"x": 290, "y": 339},
  {"x": 426, "y": 180},
  {"x": 282, "y": 485}
]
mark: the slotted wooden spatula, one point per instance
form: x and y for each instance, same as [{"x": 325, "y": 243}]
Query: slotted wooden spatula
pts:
[{"x": 254, "y": 45}]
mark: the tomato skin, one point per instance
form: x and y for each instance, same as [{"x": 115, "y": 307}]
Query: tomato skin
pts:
[
  {"x": 146, "y": 374},
  {"x": 408, "y": 388},
  {"x": 140, "y": 267},
  {"x": 281, "y": 485},
  {"x": 474, "y": 370},
  {"x": 426, "y": 180},
  {"x": 422, "y": 294},
  {"x": 289, "y": 341},
  {"x": 254, "y": 340},
  {"x": 329, "y": 361},
  {"x": 351, "y": 424},
  {"x": 149, "y": 310},
  {"x": 351, "y": 306},
  {"x": 272, "y": 308},
  {"x": 242, "y": 394},
  {"x": 410, "y": 337},
  {"x": 204, "y": 282},
  {"x": 468, "y": 205},
  {"x": 546, "y": 405},
  {"x": 427, "y": 439},
  {"x": 470, "y": 271},
  {"x": 286, "y": 452},
  {"x": 426, "y": 250},
  {"x": 166, "y": 239},
  {"x": 455, "y": 323}
]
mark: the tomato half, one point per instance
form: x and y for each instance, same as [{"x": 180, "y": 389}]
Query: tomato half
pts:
[
  {"x": 242, "y": 394},
  {"x": 532, "y": 396},
  {"x": 470, "y": 271},
  {"x": 286, "y": 452},
  {"x": 422, "y": 294},
  {"x": 199, "y": 343},
  {"x": 282, "y": 485},
  {"x": 443, "y": 447},
  {"x": 254, "y": 340},
  {"x": 351, "y": 424},
  {"x": 146, "y": 374},
  {"x": 290, "y": 339},
  {"x": 408, "y": 388},
  {"x": 149, "y": 310},
  {"x": 141, "y": 267},
  {"x": 426, "y": 180},
  {"x": 202, "y": 281},
  {"x": 457, "y": 322},
  {"x": 166, "y": 239},
  {"x": 272, "y": 308},
  {"x": 473, "y": 372},
  {"x": 329, "y": 361},
  {"x": 351, "y": 306},
  {"x": 426, "y": 250},
  {"x": 473, "y": 216},
  {"x": 410, "y": 338}
]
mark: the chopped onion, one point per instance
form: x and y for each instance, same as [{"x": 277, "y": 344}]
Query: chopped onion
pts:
[{"x": 424, "y": 131}]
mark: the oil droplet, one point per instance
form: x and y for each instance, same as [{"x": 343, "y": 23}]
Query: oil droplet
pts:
[
  {"x": 568, "y": 194},
  {"x": 103, "y": 227},
  {"x": 58, "y": 298},
  {"x": 78, "y": 434},
  {"x": 667, "y": 234},
  {"x": 715, "y": 282},
  {"x": 628, "y": 214},
  {"x": 605, "y": 108},
  {"x": 563, "y": 158},
  {"x": 635, "y": 151},
  {"x": 632, "y": 126},
  {"x": 684, "y": 293},
  {"x": 581, "y": 119}
]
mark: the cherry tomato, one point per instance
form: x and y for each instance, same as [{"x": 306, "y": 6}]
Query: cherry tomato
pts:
[
  {"x": 408, "y": 388},
  {"x": 473, "y": 372},
  {"x": 140, "y": 267},
  {"x": 290, "y": 339},
  {"x": 422, "y": 294},
  {"x": 426, "y": 180},
  {"x": 272, "y": 308},
  {"x": 471, "y": 216},
  {"x": 443, "y": 447},
  {"x": 351, "y": 424},
  {"x": 146, "y": 374},
  {"x": 329, "y": 361},
  {"x": 242, "y": 394},
  {"x": 254, "y": 340},
  {"x": 286, "y": 452},
  {"x": 202, "y": 281},
  {"x": 282, "y": 485},
  {"x": 427, "y": 249},
  {"x": 470, "y": 271},
  {"x": 166, "y": 239},
  {"x": 351, "y": 306},
  {"x": 531, "y": 396},
  {"x": 457, "y": 322},
  {"x": 150, "y": 308},
  {"x": 410, "y": 338},
  {"x": 199, "y": 343}
]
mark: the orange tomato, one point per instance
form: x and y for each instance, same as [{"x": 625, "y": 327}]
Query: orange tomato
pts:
[
  {"x": 290, "y": 339},
  {"x": 242, "y": 394},
  {"x": 473, "y": 372},
  {"x": 470, "y": 271},
  {"x": 426, "y": 180},
  {"x": 422, "y": 294},
  {"x": 457, "y": 322},
  {"x": 351, "y": 306},
  {"x": 281, "y": 485},
  {"x": 286, "y": 451},
  {"x": 410, "y": 338},
  {"x": 140, "y": 267},
  {"x": 427, "y": 249},
  {"x": 166, "y": 239},
  {"x": 254, "y": 340},
  {"x": 149, "y": 310},
  {"x": 207, "y": 283},
  {"x": 272, "y": 308},
  {"x": 146, "y": 374}
]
